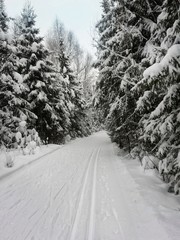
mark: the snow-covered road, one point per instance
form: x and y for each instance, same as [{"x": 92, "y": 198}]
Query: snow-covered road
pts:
[{"x": 81, "y": 191}]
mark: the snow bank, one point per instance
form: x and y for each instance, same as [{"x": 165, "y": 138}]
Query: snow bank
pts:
[
  {"x": 20, "y": 160},
  {"x": 154, "y": 193}
]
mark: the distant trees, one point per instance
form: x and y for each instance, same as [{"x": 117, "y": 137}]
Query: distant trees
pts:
[
  {"x": 80, "y": 61},
  {"x": 138, "y": 86},
  {"x": 69, "y": 58}
]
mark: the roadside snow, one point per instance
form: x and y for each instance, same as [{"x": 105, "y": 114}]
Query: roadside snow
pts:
[
  {"x": 21, "y": 160},
  {"x": 165, "y": 206}
]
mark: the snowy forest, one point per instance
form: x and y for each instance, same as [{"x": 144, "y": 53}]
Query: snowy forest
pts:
[
  {"x": 45, "y": 83},
  {"x": 90, "y": 139},
  {"x": 48, "y": 92},
  {"x": 138, "y": 90}
]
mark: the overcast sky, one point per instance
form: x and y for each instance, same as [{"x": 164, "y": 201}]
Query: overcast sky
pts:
[{"x": 80, "y": 16}]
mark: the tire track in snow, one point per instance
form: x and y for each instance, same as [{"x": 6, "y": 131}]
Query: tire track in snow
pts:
[{"x": 82, "y": 196}]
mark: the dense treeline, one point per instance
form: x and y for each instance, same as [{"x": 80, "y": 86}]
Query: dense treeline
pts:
[
  {"x": 138, "y": 90},
  {"x": 40, "y": 92}
]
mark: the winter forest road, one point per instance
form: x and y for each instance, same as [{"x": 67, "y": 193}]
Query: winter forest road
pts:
[{"x": 79, "y": 192}]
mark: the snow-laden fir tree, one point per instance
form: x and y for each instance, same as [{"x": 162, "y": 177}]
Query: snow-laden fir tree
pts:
[
  {"x": 12, "y": 105},
  {"x": 120, "y": 45},
  {"x": 3, "y": 17},
  {"x": 79, "y": 123},
  {"x": 137, "y": 36},
  {"x": 72, "y": 84},
  {"x": 4, "y": 36},
  {"x": 39, "y": 78},
  {"x": 66, "y": 52},
  {"x": 159, "y": 101}
]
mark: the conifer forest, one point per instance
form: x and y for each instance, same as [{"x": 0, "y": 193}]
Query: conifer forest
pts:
[
  {"x": 138, "y": 89},
  {"x": 46, "y": 89},
  {"x": 76, "y": 127}
]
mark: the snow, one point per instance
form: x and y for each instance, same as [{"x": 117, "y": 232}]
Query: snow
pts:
[
  {"x": 40, "y": 84},
  {"x": 178, "y": 117},
  {"x": 48, "y": 107},
  {"x": 39, "y": 64},
  {"x": 178, "y": 158},
  {"x": 143, "y": 100},
  {"x": 150, "y": 25},
  {"x": 18, "y": 77},
  {"x": 163, "y": 148},
  {"x": 21, "y": 160},
  {"x": 173, "y": 52},
  {"x": 34, "y": 47},
  {"x": 42, "y": 96},
  {"x": 23, "y": 61},
  {"x": 167, "y": 125},
  {"x": 153, "y": 70},
  {"x": 167, "y": 100},
  {"x": 22, "y": 124},
  {"x": 162, "y": 16},
  {"x": 16, "y": 88},
  {"x": 2, "y": 35},
  {"x": 18, "y": 136},
  {"x": 156, "y": 69},
  {"x": 86, "y": 190}
]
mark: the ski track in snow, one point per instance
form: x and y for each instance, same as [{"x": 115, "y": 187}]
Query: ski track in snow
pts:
[
  {"x": 92, "y": 175},
  {"x": 79, "y": 192}
]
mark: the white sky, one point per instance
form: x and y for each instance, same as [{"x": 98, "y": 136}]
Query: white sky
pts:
[{"x": 80, "y": 16}]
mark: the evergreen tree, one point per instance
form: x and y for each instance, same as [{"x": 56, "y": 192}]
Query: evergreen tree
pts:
[
  {"x": 12, "y": 105},
  {"x": 3, "y": 17},
  {"x": 42, "y": 89},
  {"x": 160, "y": 93},
  {"x": 136, "y": 37},
  {"x": 72, "y": 85},
  {"x": 79, "y": 124},
  {"x": 4, "y": 37},
  {"x": 119, "y": 45}
]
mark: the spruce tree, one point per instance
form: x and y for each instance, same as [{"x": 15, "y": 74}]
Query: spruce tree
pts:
[
  {"x": 12, "y": 105},
  {"x": 79, "y": 124},
  {"x": 72, "y": 85},
  {"x": 4, "y": 37},
  {"x": 160, "y": 93},
  {"x": 138, "y": 87},
  {"x": 39, "y": 77},
  {"x": 119, "y": 47},
  {"x": 3, "y": 17}
]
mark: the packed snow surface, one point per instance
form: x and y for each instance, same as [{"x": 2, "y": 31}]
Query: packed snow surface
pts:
[{"x": 86, "y": 190}]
